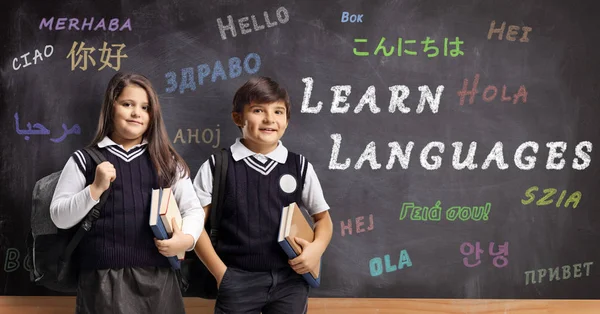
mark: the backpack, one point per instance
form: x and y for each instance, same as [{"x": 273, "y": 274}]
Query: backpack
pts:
[
  {"x": 201, "y": 283},
  {"x": 50, "y": 247}
]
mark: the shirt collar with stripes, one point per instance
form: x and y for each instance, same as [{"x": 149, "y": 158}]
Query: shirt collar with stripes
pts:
[
  {"x": 263, "y": 164},
  {"x": 240, "y": 151},
  {"x": 119, "y": 151}
]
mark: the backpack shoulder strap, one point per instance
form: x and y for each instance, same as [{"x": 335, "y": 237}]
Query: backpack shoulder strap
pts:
[
  {"x": 302, "y": 168},
  {"x": 218, "y": 193},
  {"x": 89, "y": 219},
  {"x": 96, "y": 155},
  {"x": 98, "y": 158}
]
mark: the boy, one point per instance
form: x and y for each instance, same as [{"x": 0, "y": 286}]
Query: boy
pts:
[{"x": 253, "y": 273}]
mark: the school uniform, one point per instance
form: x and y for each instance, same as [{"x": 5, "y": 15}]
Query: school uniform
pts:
[
  {"x": 258, "y": 276},
  {"x": 121, "y": 270}
]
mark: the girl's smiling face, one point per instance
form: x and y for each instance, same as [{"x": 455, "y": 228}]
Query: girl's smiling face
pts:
[{"x": 131, "y": 116}]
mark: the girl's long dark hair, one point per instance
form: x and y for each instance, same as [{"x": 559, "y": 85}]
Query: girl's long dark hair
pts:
[{"x": 164, "y": 157}]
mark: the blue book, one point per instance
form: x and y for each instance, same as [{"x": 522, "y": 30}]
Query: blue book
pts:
[
  {"x": 294, "y": 224},
  {"x": 157, "y": 226}
]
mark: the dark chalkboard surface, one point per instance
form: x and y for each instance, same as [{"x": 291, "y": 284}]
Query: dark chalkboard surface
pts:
[{"x": 438, "y": 188}]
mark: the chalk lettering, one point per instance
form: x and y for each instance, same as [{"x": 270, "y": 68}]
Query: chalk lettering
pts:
[
  {"x": 453, "y": 213},
  {"x": 409, "y": 47},
  {"x": 341, "y": 93},
  {"x": 520, "y": 95},
  {"x": 199, "y": 136},
  {"x": 547, "y": 198},
  {"x": 48, "y": 51},
  {"x": 564, "y": 272},
  {"x": 11, "y": 261},
  {"x": 282, "y": 16},
  {"x": 511, "y": 33},
  {"x": 376, "y": 265},
  {"x": 86, "y": 24},
  {"x": 251, "y": 65},
  {"x": 432, "y": 154},
  {"x": 352, "y": 18},
  {"x": 346, "y": 226}
]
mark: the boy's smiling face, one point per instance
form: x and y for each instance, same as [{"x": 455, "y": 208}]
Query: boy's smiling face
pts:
[{"x": 262, "y": 125}]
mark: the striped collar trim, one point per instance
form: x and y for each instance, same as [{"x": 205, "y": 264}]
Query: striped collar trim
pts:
[
  {"x": 263, "y": 168},
  {"x": 240, "y": 151},
  {"x": 119, "y": 151}
]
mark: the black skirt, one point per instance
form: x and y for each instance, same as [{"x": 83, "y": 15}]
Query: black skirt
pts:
[{"x": 128, "y": 291}]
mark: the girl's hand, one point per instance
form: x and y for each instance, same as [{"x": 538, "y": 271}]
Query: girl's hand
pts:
[
  {"x": 105, "y": 174},
  {"x": 179, "y": 242}
]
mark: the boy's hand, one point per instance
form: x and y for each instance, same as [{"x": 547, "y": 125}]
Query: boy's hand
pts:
[
  {"x": 309, "y": 258},
  {"x": 179, "y": 242},
  {"x": 220, "y": 278}
]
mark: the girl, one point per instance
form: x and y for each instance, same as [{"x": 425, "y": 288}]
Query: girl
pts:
[{"x": 122, "y": 269}]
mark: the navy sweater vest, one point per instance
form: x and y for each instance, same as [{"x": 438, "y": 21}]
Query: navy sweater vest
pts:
[
  {"x": 251, "y": 211},
  {"x": 121, "y": 236}
]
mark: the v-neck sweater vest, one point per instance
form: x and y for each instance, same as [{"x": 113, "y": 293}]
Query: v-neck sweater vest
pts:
[
  {"x": 255, "y": 194},
  {"x": 121, "y": 236}
]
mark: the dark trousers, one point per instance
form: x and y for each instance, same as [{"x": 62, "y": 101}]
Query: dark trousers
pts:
[{"x": 273, "y": 292}]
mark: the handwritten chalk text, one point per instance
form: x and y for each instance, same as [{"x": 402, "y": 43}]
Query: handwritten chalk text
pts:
[
  {"x": 500, "y": 259},
  {"x": 39, "y": 129},
  {"x": 490, "y": 93},
  {"x": 558, "y": 273},
  {"x": 376, "y": 265},
  {"x": 407, "y": 47},
  {"x": 37, "y": 55},
  {"x": 431, "y": 156},
  {"x": 198, "y": 136},
  {"x": 547, "y": 198},
  {"x": 73, "y": 24},
  {"x": 188, "y": 82},
  {"x": 464, "y": 213},
  {"x": 359, "y": 222},
  {"x": 352, "y": 18},
  {"x": 81, "y": 55},
  {"x": 281, "y": 13},
  {"x": 12, "y": 261},
  {"x": 399, "y": 93},
  {"x": 511, "y": 32}
]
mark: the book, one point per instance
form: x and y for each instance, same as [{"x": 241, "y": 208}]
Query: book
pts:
[
  {"x": 294, "y": 224},
  {"x": 169, "y": 210},
  {"x": 160, "y": 199}
]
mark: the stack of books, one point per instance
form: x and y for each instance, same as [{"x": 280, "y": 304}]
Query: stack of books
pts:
[
  {"x": 294, "y": 224},
  {"x": 163, "y": 209}
]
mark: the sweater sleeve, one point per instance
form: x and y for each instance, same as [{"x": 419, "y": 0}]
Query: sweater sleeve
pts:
[{"x": 72, "y": 200}]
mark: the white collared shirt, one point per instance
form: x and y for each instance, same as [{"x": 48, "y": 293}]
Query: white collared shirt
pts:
[
  {"x": 73, "y": 200},
  {"x": 106, "y": 141},
  {"x": 312, "y": 201}
]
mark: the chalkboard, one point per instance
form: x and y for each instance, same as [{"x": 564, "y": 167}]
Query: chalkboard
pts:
[{"x": 456, "y": 141}]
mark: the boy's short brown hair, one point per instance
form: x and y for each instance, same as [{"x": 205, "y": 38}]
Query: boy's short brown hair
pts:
[{"x": 260, "y": 90}]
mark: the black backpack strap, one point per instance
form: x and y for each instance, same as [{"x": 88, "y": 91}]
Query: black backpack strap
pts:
[
  {"x": 218, "y": 195},
  {"x": 302, "y": 168},
  {"x": 183, "y": 282},
  {"x": 89, "y": 219},
  {"x": 96, "y": 155}
]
